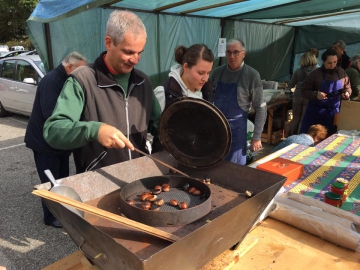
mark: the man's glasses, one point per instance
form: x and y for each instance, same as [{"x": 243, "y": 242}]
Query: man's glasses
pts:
[{"x": 235, "y": 53}]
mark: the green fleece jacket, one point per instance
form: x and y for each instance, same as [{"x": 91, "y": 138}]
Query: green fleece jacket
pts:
[{"x": 79, "y": 133}]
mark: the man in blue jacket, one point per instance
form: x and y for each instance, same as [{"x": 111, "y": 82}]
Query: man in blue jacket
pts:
[{"x": 47, "y": 157}]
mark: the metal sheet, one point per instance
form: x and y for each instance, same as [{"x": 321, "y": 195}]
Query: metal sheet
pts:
[{"x": 231, "y": 217}]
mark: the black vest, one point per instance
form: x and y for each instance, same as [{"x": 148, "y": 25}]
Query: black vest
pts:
[{"x": 105, "y": 102}]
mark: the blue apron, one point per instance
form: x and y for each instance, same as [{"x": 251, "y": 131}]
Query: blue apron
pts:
[
  {"x": 323, "y": 111},
  {"x": 226, "y": 101}
]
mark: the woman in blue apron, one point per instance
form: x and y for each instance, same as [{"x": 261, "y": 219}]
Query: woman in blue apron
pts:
[
  {"x": 226, "y": 101},
  {"x": 324, "y": 87}
]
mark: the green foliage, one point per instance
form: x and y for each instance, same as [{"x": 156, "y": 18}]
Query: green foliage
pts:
[
  {"x": 26, "y": 43},
  {"x": 14, "y": 13}
]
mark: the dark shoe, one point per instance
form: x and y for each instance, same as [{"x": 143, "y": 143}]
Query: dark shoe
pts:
[{"x": 55, "y": 224}]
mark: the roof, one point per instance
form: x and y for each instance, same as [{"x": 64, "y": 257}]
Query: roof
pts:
[{"x": 284, "y": 12}]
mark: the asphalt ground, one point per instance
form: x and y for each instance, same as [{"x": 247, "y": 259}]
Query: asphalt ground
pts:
[{"x": 25, "y": 241}]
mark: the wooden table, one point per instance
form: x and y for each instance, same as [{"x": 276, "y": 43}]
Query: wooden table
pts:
[
  {"x": 279, "y": 246},
  {"x": 270, "y": 137}
]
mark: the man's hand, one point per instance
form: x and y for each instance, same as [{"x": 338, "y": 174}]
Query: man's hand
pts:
[
  {"x": 255, "y": 145},
  {"x": 111, "y": 137}
]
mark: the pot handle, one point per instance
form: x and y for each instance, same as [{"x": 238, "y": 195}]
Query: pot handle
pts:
[{"x": 51, "y": 178}]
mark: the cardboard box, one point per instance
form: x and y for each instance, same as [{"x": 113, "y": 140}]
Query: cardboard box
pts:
[
  {"x": 290, "y": 169},
  {"x": 348, "y": 118}
]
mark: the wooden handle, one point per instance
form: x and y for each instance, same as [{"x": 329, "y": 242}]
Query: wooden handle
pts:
[{"x": 105, "y": 214}]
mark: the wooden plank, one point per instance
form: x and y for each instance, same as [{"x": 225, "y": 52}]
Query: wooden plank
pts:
[
  {"x": 271, "y": 245},
  {"x": 73, "y": 261},
  {"x": 105, "y": 214},
  {"x": 230, "y": 258}
]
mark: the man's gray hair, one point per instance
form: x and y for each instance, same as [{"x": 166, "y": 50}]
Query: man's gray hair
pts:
[
  {"x": 340, "y": 43},
  {"x": 236, "y": 41},
  {"x": 121, "y": 22},
  {"x": 73, "y": 58},
  {"x": 355, "y": 59}
]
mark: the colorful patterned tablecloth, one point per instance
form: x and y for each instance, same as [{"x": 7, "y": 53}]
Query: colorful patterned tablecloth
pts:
[
  {"x": 348, "y": 145},
  {"x": 322, "y": 167}
]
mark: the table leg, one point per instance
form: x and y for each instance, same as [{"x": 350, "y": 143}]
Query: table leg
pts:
[
  {"x": 270, "y": 124},
  {"x": 283, "y": 118}
]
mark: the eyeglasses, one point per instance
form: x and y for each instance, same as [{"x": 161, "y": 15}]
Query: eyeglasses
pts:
[{"x": 235, "y": 53}]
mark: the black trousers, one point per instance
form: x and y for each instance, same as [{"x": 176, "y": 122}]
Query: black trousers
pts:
[{"x": 59, "y": 167}]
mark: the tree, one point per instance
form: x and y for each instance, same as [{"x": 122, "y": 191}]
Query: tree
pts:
[{"x": 14, "y": 13}]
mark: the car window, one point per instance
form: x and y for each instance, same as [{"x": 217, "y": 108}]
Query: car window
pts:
[
  {"x": 25, "y": 70},
  {"x": 7, "y": 69},
  {"x": 41, "y": 66}
]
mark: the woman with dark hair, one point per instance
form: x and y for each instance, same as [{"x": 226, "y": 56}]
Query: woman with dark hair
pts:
[
  {"x": 188, "y": 78},
  {"x": 354, "y": 76},
  {"x": 308, "y": 63},
  {"x": 324, "y": 88}
]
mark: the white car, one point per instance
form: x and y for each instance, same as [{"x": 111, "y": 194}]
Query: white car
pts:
[{"x": 19, "y": 77}]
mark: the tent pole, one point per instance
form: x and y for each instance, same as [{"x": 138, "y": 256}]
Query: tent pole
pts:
[
  {"x": 293, "y": 51},
  {"x": 49, "y": 46},
  {"x": 222, "y": 24}
]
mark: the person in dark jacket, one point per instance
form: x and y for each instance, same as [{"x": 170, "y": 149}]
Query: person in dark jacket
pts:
[
  {"x": 108, "y": 103},
  {"x": 343, "y": 59},
  {"x": 354, "y": 76},
  {"x": 188, "y": 78},
  {"x": 46, "y": 157},
  {"x": 308, "y": 63},
  {"x": 324, "y": 88}
]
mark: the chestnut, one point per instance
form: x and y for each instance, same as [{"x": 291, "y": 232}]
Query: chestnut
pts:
[
  {"x": 203, "y": 181},
  {"x": 152, "y": 198},
  {"x": 173, "y": 202},
  {"x": 196, "y": 192},
  {"x": 145, "y": 196},
  {"x": 166, "y": 188},
  {"x": 131, "y": 202},
  {"x": 157, "y": 187},
  {"x": 183, "y": 205},
  {"x": 156, "y": 192},
  {"x": 191, "y": 189},
  {"x": 249, "y": 193},
  {"x": 146, "y": 205},
  {"x": 159, "y": 202},
  {"x": 155, "y": 208},
  {"x": 186, "y": 186}
]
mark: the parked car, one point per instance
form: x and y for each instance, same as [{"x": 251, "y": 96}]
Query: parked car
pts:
[
  {"x": 12, "y": 53},
  {"x": 17, "y": 48},
  {"x": 4, "y": 48},
  {"x": 19, "y": 77},
  {"x": 33, "y": 52}
]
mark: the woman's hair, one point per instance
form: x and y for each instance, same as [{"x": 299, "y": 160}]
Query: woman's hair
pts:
[
  {"x": 314, "y": 51},
  {"x": 355, "y": 59},
  {"x": 328, "y": 52},
  {"x": 192, "y": 54},
  {"x": 308, "y": 59},
  {"x": 317, "y": 131}
]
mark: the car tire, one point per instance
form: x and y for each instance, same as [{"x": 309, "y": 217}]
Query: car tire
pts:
[{"x": 3, "y": 112}]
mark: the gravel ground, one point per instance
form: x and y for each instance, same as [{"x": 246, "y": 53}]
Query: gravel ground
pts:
[{"x": 25, "y": 242}]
